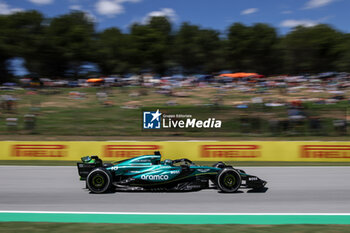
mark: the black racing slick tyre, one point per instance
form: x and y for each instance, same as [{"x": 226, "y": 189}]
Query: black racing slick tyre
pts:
[
  {"x": 99, "y": 180},
  {"x": 228, "y": 180}
]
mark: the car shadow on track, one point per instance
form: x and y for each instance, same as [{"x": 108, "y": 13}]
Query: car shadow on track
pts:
[
  {"x": 141, "y": 191},
  {"x": 261, "y": 190},
  {"x": 237, "y": 192}
]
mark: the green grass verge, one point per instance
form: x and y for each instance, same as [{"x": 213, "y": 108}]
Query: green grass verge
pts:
[
  {"x": 164, "y": 228},
  {"x": 204, "y": 163}
]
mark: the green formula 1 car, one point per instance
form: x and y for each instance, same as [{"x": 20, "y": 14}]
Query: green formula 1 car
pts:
[{"x": 149, "y": 173}]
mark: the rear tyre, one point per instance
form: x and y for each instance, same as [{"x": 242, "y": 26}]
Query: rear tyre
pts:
[
  {"x": 99, "y": 180},
  {"x": 228, "y": 180}
]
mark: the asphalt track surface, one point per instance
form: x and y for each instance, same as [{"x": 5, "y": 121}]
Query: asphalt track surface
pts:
[{"x": 291, "y": 190}]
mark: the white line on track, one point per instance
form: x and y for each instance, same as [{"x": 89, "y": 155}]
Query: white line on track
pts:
[{"x": 159, "y": 213}]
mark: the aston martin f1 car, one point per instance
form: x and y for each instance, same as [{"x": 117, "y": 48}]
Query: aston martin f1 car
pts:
[{"x": 149, "y": 173}]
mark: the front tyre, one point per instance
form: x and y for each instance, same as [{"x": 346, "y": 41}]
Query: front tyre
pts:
[
  {"x": 228, "y": 180},
  {"x": 99, "y": 180}
]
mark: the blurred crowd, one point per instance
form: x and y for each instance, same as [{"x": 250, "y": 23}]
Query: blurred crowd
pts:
[
  {"x": 288, "y": 94},
  {"x": 324, "y": 88}
]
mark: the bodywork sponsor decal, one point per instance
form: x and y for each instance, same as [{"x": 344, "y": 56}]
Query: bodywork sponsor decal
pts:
[
  {"x": 154, "y": 177},
  {"x": 129, "y": 151}
]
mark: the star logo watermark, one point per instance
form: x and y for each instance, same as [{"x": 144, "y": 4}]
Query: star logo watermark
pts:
[{"x": 152, "y": 120}]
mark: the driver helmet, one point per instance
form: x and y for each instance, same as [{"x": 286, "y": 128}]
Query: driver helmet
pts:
[{"x": 168, "y": 162}]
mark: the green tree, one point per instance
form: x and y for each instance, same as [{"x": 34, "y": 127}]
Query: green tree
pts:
[
  {"x": 343, "y": 48},
  {"x": 5, "y": 51},
  {"x": 71, "y": 42},
  {"x": 187, "y": 49},
  {"x": 59, "y": 46},
  {"x": 160, "y": 54},
  {"x": 239, "y": 47},
  {"x": 210, "y": 51},
  {"x": 20, "y": 37},
  {"x": 263, "y": 51},
  {"x": 311, "y": 49},
  {"x": 111, "y": 52},
  {"x": 252, "y": 48},
  {"x": 150, "y": 45}
]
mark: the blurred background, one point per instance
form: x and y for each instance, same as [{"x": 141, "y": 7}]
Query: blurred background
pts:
[
  {"x": 84, "y": 70},
  {"x": 63, "y": 75}
]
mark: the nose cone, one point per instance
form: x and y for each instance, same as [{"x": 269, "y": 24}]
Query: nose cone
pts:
[{"x": 255, "y": 182}]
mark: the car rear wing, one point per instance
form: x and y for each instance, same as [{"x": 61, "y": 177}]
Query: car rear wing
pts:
[{"x": 87, "y": 165}]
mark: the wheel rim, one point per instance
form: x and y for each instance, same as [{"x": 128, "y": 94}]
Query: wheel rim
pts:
[
  {"x": 229, "y": 181},
  {"x": 98, "y": 181}
]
